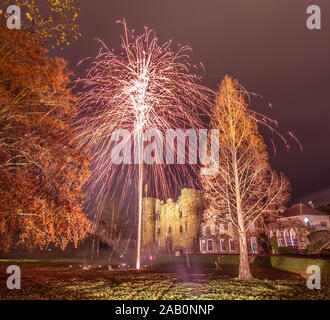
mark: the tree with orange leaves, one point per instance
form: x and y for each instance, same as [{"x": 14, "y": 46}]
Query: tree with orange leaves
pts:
[
  {"x": 54, "y": 20},
  {"x": 245, "y": 189},
  {"x": 41, "y": 173}
]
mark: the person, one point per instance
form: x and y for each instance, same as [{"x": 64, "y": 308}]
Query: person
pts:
[{"x": 123, "y": 263}]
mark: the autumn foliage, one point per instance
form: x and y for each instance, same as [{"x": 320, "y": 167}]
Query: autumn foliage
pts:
[
  {"x": 41, "y": 174},
  {"x": 245, "y": 190},
  {"x": 54, "y": 20}
]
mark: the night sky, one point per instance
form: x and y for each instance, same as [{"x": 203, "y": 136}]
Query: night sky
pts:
[{"x": 264, "y": 44}]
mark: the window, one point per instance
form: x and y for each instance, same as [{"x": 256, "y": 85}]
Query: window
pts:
[
  {"x": 307, "y": 221},
  {"x": 230, "y": 227},
  {"x": 280, "y": 241},
  {"x": 323, "y": 224},
  {"x": 204, "y": 230},
  {"x": 231, "y": 245},
  {"x": 210, "y": 245},
  {"x": 158, "y": 230},
  {"x": 212, "y": 229},
  {"x": 203, "y": 246},
  {"x": 287, "y": 238},
  {"x": 186, "y": 226},
  {"x": 180, "y": 214},
  {"x": 252, "y": 227},
  {"x": 253, "y": 241},
  {"x": 293, "y": 236},
  {"x": 180, "y": 229},
  {"x": 169, "y": 230},
  {"x": 222, "y": 245},
  {"x": 222, "y": 228}
]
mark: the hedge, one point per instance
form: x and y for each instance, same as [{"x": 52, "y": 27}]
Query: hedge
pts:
[
  {"x": 164, "y": 259},
  {"x": 287, "y": 250},
  {"x": 314, "y": 248},
  {"x": 294, "y": 264}
]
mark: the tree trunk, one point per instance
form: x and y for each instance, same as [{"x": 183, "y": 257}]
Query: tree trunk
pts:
[{"x": 244, "y": 265}]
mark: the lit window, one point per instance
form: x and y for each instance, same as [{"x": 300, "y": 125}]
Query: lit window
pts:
[
  {"x": 293, "y": 237},
  {"x": 210, "y": 245},
  {"x": 287, "y": 238},
  {"x": 222, "y": 245},
  {"x": 213, "y": 229},
  {"x": 254, "y": 244},
  {"x": 279, "y": 237},
  {"x": 204, "y": 230},
  {"x": 231, "y": 245},
  {"x": 203, "y": 245}
]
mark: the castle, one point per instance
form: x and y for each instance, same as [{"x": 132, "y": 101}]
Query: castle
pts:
[
  {"x": 177, "y": 227},
  {"x": 169, "y": 226}
]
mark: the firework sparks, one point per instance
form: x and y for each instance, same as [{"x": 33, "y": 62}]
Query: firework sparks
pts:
[{"x": 146, "y": 85}]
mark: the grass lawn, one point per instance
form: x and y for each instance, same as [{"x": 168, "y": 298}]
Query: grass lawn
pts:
[{"x": 66, "y": 280}]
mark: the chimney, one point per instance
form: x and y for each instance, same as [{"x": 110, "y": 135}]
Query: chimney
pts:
[{"x": 311, "y": 204}]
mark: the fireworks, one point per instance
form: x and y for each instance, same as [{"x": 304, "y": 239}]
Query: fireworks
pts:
[{"x": 146, "y": 85}]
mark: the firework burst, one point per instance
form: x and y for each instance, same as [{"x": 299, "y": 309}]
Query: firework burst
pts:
[{"x": 146, "y": 85}]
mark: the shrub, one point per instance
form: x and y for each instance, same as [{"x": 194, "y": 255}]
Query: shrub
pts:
[
  {"x": 318, "y": 235},
  {"x": 274, "y": 245},
  {"x": 287, "y": 250},
  {"x": 298, "y": 264},
  {"x": 314, "y": 248},
  {"x": 264, "y": 242}
]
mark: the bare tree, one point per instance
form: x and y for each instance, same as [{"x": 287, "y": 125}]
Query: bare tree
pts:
[{"x": 244, "y": 187}]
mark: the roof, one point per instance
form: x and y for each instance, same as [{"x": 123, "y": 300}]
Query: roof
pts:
[{"x": 301, "y": 209}]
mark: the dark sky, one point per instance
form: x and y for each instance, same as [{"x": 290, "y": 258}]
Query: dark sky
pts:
[{"x": 265, "y": 44}]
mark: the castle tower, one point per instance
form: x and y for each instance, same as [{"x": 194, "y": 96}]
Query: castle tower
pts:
[
  {"x": 148, "y": 225},
  {"x": 172, "y": 225},
  {"x": 190, "y": 204}
]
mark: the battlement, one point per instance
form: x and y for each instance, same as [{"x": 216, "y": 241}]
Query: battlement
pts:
[{"x": 172, "y": 225}]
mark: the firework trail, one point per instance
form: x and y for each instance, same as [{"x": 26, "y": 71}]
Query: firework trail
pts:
[{"x": 146, "y": 85}]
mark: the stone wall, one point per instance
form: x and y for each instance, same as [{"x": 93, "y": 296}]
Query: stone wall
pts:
[
  {"x": 172, "y": 225},
  {"x": 148, "y": 224}
]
